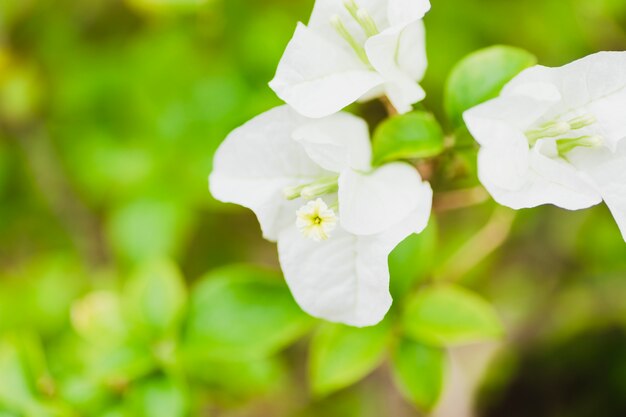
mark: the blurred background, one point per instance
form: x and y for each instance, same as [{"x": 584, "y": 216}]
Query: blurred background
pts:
[{"x": 110, "y": 112}]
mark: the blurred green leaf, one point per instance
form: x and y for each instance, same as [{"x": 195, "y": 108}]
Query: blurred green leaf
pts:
[
  {"x": 84, "y": 394},
  {"x": 148, "y": 228},
  {"x": 447, "y": 315},
  {"x": 17, "y": 381},
  {"x": 342, "y": 355},
  {"x": 480, "y": 76},
  {"x": 154, "y": 298},
  {"x": 159, "y": 397},
  {"x": 412, "y": 260},
  {"x": 408, "y": 136},
  {"x": 244, "y": 378},
  {"x": 419, "y": 373},
  {"x": 163, "y": 6},
  {"x": 20, "y": 88},
  {"x": 116, "y": 411},
  {"x": 241, "y": 312},
  {"x": 119, "y": 366},
  {"x": 98, "y": 318}
]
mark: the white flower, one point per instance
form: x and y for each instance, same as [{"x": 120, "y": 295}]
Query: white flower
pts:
[
  {"x": 351, "y": 50},
  {"x": 336, "y": 219},
  {"x": 556, "y": 136},
  {"x": 316, "y": 220}
]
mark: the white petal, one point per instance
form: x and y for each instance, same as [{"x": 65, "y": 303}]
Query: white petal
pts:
[
  {"x": 519, "y": 179},
  {"x": 593, "y": 85},
  {"x": 582, "y": 81},
  {"x": 493, "y": 122},
  {"x": 337, "y": 142},
  {"x": 399, "y": 55},
  {"x": 401, "y": 12},
  {"x": 503, "y": 165},
  {"x": 257, "y": 161},
  {"x": 318, "y": 78},
  {"x": 375, "y": 202},
  {"x": 403, "y": 94},
  {"x": 555, "y": 181},
  {"x": 325, "y": 9},
  {"x": 607, "y": 170},
  {"x": 399, "y": 51},
  {"x": 343, "y": 279}
]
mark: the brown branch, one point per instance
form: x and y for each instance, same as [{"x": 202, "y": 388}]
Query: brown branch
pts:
[
  {"x": 50, "y": 180},
  {"x": 391, "y": 110},
  {"x": 458, "y": 199}
]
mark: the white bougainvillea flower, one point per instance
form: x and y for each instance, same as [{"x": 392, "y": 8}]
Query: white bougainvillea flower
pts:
[
  {"x": 336, "y": 219},
  {"x": 556, "y": 136},
  {"x": 351, "y": 50}
]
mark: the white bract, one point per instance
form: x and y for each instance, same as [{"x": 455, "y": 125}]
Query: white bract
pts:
[
  {"x": 336, "y": 219},
  {"x": 351, "y": 50},
  {"x": 556, "y": 136}
]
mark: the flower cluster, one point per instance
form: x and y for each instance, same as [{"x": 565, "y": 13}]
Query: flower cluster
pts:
[
  {"x": 335, "y": 218},
  {"x": 351, "y": 50},
  {"x": 557, "y": 136},
  {"x": 553, "y": 136},
  {"x": 305, "y": 168}
]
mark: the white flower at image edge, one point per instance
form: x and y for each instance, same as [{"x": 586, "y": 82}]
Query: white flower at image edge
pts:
[
  {"x": 336, "y": 219},
  {"x": 354, "y": 50},
  {"x": 557, "y": 136}
]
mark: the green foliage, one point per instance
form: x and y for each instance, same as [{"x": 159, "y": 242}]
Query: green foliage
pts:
[
  {"x": 419, "y": 372},
  {"x": 242, "y": 312},
  {"x": 158, "y": 397},
  {"x": 146, "y": 229},
  {"x": 480, "y": 76},
  {"x": 408, "y": 136},
  {"x": 98, "y": 318},
  {"x": 342, "y": 355},
  {"x": 445, "y": 315},
  {"x": 154, "y": 298},
  {"x": 131, "y": 99}
]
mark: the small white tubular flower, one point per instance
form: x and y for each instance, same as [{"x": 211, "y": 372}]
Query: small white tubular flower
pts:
[
  {"x": 315, "y": 220},
  {"x": 354, "y": 50},
  {"x": 556, "y": 136},
  {"x": 336, "y": 219}
]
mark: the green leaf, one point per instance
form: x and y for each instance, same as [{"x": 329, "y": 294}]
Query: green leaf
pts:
[
  {"x": 480, "y": 76},
  {"x": 242, "y": 312},
  {"x": 412, "y": 260},
  {"x": 242, "y": 379},
  {"x": 449, "y": 315},
  {"x": 16, "y": 387},
  {"x": 84, "y": 394},
  {"x": 116, "y": 367},
  {"x": 98, "y": 318},
  {"x": 154, "y": 298},
  {"x": 342, "y": 355},
  {"x": 408, "y": 136},
  {"x": 159, "y": 398},
  {"x": 148, "y": 228},
  {"x": 419, "y": 373}
]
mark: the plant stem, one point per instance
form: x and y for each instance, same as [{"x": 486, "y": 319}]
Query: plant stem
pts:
[
  {"x": 391, "y": 110},
  {"x": 55, "y": 188},
  {"x": 458, "y": 199},
  {"x": 479, "y": 247}
]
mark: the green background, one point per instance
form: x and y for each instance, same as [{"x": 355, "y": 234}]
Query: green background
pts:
[{"x": 110, "y": 113}]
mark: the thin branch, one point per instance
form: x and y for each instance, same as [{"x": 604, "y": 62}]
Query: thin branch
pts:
[
  {"x": 458, "y": 199},
  {"x": 480, "y": 246},
  {"x": 391, "y": 110},
  {"x": 55, "y": 188}
]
